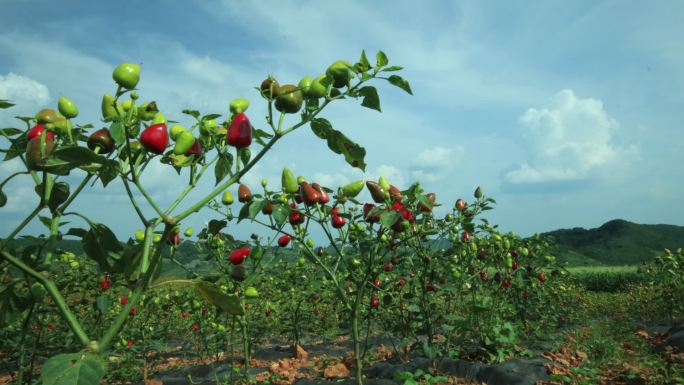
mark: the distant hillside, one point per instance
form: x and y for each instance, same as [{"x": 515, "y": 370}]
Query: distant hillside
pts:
[{"x": 617, "y": 242}]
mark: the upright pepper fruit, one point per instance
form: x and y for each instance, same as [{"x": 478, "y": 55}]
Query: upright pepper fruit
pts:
[
  {"x": 309, "y": 195},
  {"x": 289, "y": 99},
  {"x": 155, "y": 138},
  {"x": 109, "y": 113},
  {"x": 46, "y": 116},
  {"x": 377, "y": 192},
  {"x": 67, "y": 108},
  {"x": 37, "y": 130},
  {"x": 244, "y": 194},
  {"x": 38, "y": 151},
  {"x": 340, "y": 72},
  {"x": 127, "y": 75},
  {"x": 289, "y": 182},
  {"x": 240, "y": 131},
  {"x": 238, "y": 105},
  {"x": 183, "y": 143},
  {"x": 352, "y": 189},
  {"x": 319, "y": 87},
  {"x": 101, "y": 139}
]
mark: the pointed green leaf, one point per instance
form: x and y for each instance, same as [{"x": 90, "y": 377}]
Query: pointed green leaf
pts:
[
  {"x": 5, "y": 104},
  {"x": 80, "y": 368},
  {"x": 392, "y": 68},
  {"x": 339, "y": 143},
  {"x": 401, "y": 83},
  {"x": 222, "y": 168},
  {"x": 381, "y": 59},
  {"x": 116, "y": 130},
  {"x": 371, "y": 99},
  {"x": 230, "y": 303},
  {"x": 9, "y": 131},
  {"x": 281, "y": 214},
  {"x": 389, "y": 218},
  {"x": 195, "y": 114}
]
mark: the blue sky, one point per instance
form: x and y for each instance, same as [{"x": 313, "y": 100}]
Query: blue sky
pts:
[{"x": 567, "y": 113}]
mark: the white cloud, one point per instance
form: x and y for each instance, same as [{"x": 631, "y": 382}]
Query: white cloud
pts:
[
  {"x": 205, "y": 68},
  {"x": 18, "y": 88},
  {"x": 435, "y": 163},
  {"x": 571, "y": 140}
]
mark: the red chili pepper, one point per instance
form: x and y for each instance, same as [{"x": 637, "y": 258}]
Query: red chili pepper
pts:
[{"x": 240, "y": 131}]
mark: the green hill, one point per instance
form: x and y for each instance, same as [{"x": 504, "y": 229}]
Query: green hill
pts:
[{"x": 617, "y": 242}]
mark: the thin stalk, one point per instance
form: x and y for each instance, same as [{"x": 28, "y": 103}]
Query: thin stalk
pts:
[{"x": 22, "y": 351}]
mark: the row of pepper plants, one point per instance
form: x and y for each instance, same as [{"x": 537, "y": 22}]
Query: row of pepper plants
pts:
[{"x": 391, "y": 261}]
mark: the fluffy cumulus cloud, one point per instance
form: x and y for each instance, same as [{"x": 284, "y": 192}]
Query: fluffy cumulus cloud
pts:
[
  {"x": 18, "y": 88},
  {"x": 435, "y": 163},
  {"x": 572, "y": 140}
]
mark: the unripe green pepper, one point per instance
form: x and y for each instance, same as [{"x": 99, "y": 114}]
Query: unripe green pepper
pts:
[
  {"x": 183, "y": 143},
  {"x": 159, "y": 118},
  {"x": 176, "y": 130},
  {"x": 319, "y": 87},
  {"x": 127, "y": 75},
  {"x": 67, "y": 108},
  {"x": 239, "y": 105},
  {"x": 38, "y": 291},
  {"x": 353, "y": 189},
  {"x": 340, "y": 72},
  {"x": 139, "y": 235},
  {"x": 289, "y": 182},
  {"x": 227, "y": 198},
  {"x": 382, "y": 181},
  {"x": 109, "y": 113},
  {"x": 304, "y": 85},
  {"x": 251, "y": 292}
]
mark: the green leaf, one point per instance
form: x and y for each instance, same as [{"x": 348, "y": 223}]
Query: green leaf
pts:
[
  {"x": 211, "y": 116},
  {"x": 10, "y": 131},
  {"x": 78, "y": 155},
  {"x": 5, "y": 104},
  {"x": 370, "y": 98},
  {"x": 244, "y": 211},
  {"x": 260, "y": 135},
  {"x": 45, "y": 221},
  {"x": 108, "y": 172},
  {"x": 102, "y": 303},
  {"x": 194, "y": 113},
  {"x": 381, "y": 59},
  {"x": 116, "y": 130},
  {"x": 255, "y": 208},
  {"x": 17, "y": 147},
  {"x": 230, "y": 303},
  {"x": 339, "y": 143},
  {"x": 389, "y": 218},
  {"x": 424, "y": 200},
  {"x": 77, "y": 232},
  {"x": 216, "y": 225},
  {"x": 363, "y": 65},
  {"x": 11, "y": 305},
  {"x": 58, "y": 195},
  {"x": 401, "y": 83},
  {"x": 101, "y": 245},
  {"x": 80, "y": 368},
  {"x": 222, "y": 168},
  {"x": 392, "y": 68},
  {"x": 281, "y": 214}
]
